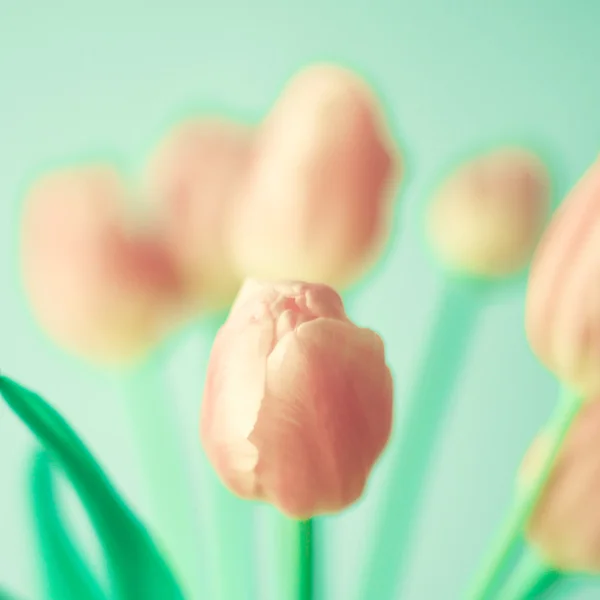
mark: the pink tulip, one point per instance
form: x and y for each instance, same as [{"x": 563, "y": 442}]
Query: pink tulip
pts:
[
  {"x": 565, "y": 526},
  {"x": 317, "y": 201},
  {"x": 487, "y": 217},
  {"x": 192, "y": 178},
  {"x": 298, "y": 401},
  {"x": 563, "y": 298},
  {"x": 101, "y": 288}
]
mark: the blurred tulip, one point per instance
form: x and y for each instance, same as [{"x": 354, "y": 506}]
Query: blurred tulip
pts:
[
  {"x": 96, "y": 284},
  {"x": 316, "y": 204},
  {"x": 192, "y": 178},
  {"x": 563, "y": 298},
  {"x": 298, "y": 400},
  {"x": 565, "y": 526},
  {"x": 486, "y": 219}
]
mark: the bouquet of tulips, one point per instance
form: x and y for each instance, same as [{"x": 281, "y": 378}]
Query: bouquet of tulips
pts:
[{"x": 275, "y": 222}]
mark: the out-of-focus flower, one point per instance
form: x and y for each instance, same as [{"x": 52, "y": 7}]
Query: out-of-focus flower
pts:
[
  {"x": 192, "y": 178},
  {"x": 486, "y": 218},
  {"x": 298, "y": 400},
  {"x": 98, "y": 285},
  {"x": 563, "y": 297},
  {"x": 316, "y": 205},
  {"x": 565, "y": 526}
]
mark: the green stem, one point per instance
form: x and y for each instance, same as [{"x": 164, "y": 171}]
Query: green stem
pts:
[
  {"x": 305, "y": 560},
  {"x": 427, "y": 404},
  {"x": 297, "y": 555},
  {"x": 163, "y": 461},
  {"x": 510, "y": 534},
  {"x": 530, "y": 580},
  {"x": 226, "y": 523}
]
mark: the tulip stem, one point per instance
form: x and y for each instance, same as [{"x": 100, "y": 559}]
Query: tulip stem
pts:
[
  {"x": 163, "y": 463},
  {"x": 297, "y": 571},
  {"x": 226, "y": 523},
  {"x": 510, "y": 534},
  {"x": 426, "y": 406},
  {"x": 530, "y": 580},
  {"x": 305, "y": 560}
]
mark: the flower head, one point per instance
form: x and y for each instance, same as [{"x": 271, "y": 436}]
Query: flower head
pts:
[
  {"x": 298, "y": 400},
  {"x": 192, "y": 177},
  {"x": 486, "y": 219},
  {"x": 565, "y": 526},
  {"x": 316, "y": 203},
  {"x": 563, "y": 296},
  {"x": 98, "y": 284}
]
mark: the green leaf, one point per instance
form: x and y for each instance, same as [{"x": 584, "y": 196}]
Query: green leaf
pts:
[
  {"x": 66, "y": 575},
  {"x": 6, "y": 595},
  {"x": 136, "y": 566}
]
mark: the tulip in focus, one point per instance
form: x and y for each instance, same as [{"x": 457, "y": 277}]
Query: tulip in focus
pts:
[
  {"x": 486, "y": 219},
  {"x": 98, "y": 286},
  {"x": 192, "y": 178},
  {"x": 565, "y": 526},
  {"x": 316, "y": 205},
  {"x": 563, "y": 297},
  {"x": 298, "y": 400}
]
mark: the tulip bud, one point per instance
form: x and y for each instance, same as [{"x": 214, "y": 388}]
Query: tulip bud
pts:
[
  {"x": 316, "y": 204},
  {"x": 97, "y": 287},
  {"x": 298, "y": 400},
  {"x": 563, "y": 298},
  {"x": 565, "y": 526},
  {"x": 486, "y": 219},
  {"x": 192, "y": 177}
]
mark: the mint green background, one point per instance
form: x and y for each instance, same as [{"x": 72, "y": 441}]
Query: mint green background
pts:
[{"x": 106, "y": 78}]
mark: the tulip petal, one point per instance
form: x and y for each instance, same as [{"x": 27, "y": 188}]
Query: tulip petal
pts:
[
  {"x": 315, "y": 413},
  {"x": 238, "y": 379},
  {"x": 565, "y": 526},
  {"x": 570, "y": 225},
  {"x": 562, "y": 319}
]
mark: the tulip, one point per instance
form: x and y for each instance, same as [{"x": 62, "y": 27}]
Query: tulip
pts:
[
  {"x": 565, "y": 526},
  {"x": 486, "y": 218},
  {"x": 192, "y": 178},
  {"x": 563, "y": 301},
  {"x": 315, "y": 205},
  {"x": 298, "y": 400},
  {"x": 99, "y": 287}
]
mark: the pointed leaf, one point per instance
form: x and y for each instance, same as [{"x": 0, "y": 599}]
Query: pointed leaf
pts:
[
  {"x": 136, "y": 565},
  {"x": 65, "y": 574}
]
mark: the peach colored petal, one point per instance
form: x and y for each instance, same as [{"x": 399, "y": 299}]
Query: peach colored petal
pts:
[
  {"x": 575, "y": 350},
  {"x": 558, "y": 318},
  {"x": 315, "y": 411},
  {"x": 565, "y": 526},
  {"x": 237, "y": 377}
]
